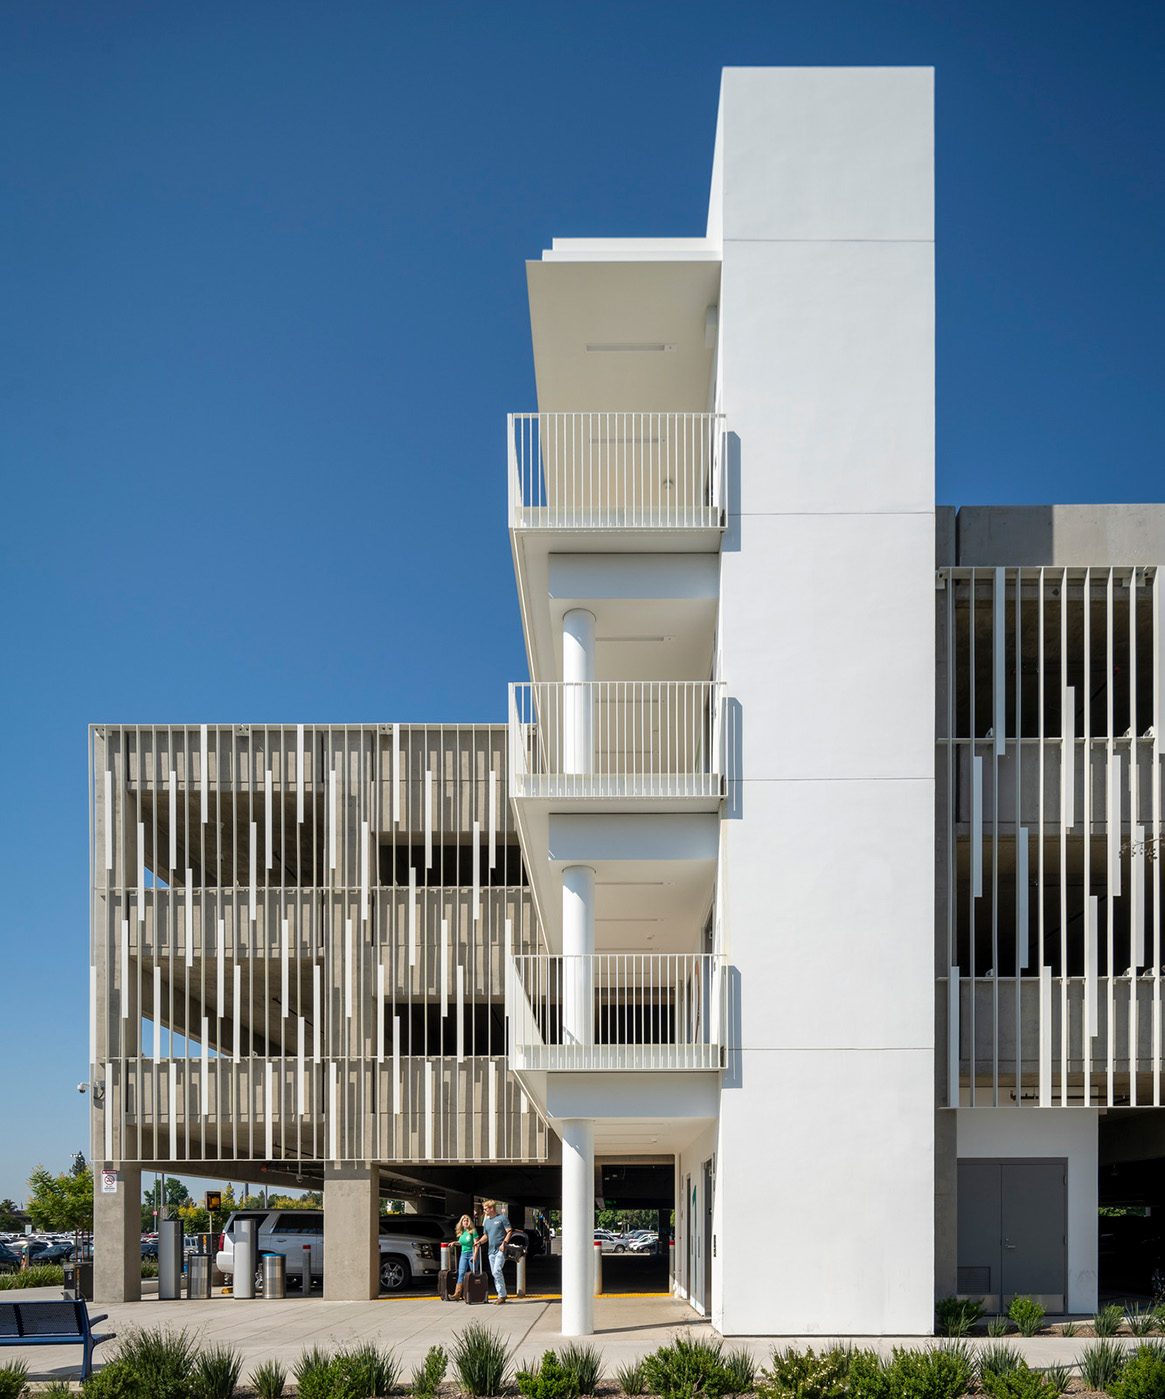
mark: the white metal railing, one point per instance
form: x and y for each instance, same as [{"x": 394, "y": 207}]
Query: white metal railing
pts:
[
  {"x": 620, "y": 1010},
  {"x": 616, "y": 738},
  {"x": 616, "y": 470}
]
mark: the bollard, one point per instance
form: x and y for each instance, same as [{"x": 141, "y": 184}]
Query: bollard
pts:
[
  {"x": 169, "y": 1260},
  {"x": 598, "y": 1268},
  {"x": 245, "y": 1259},
  {"x": 274, "y": 1276},
  {"x": 305, "y": 1271},
  {"x": 446, "y": 1256},
  {"x": 520, "y": 1284}
]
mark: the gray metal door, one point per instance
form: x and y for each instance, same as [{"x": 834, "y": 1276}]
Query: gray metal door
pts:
[
  {"x": 1034, "y": 1199},
  {"x": 1013, "y": 1231},
  {"x": 709, "y": 1178}
]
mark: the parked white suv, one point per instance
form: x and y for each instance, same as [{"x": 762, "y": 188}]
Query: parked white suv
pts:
[{"x": 410, "y": 1245}]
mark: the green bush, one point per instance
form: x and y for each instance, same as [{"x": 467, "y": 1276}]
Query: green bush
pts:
[
  {"x": 1020, "y": 1383},
  {"x": 584, "y": 1364},
  {"x": 481, "y": 1358},
  {"x": 1108, "y": 1320},
  {"x": 997, "y": 1327},
  {"x": 39, "y": 1275},
  {"x": 741, "y": 1371},
  {"x": 689, "y": 1367},
  {"x": 363, "y": 1371},
  {"x": 1101, "y": 1365},
  {"x": 549, "y": 1381},
  {"x": 1143, "y": 1376},
  {"x": 116, "y": 1380},
  {"x": 1027, "y": 1314},
  {"x": 1070, "y": 1328},
  {"x": 1143, "y": 1321},
  {"x": 954, "y": 1316},
  {"x": 216, "y": 1373},
  {"x": 870, "y": 1377},
  {"x": 1059, "y": 1377},
  {"x": 13, "y": 1380},
  {"x": 149, "y": 1268},
  {"x": 938, "y": 1372},
  {"x": 997, "y": 1360},
  {"x": 630, "y": 1378},
  {"x": 428, "y": 1376},
  {"x": 153, "y": 1363},
  {"x": 796, "y": 1374},
  {"x": 269, "y": 1379},
  {"x": 56, "y": 1389}
]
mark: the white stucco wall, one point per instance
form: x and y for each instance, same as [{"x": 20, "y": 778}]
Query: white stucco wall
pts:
[
  {"x": 826, "y": 637},
  {"x": 1036, "y": 1132}
]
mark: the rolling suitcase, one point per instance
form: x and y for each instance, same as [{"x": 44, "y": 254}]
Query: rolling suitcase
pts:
[
  {"x": 476, "y": 1288},
  {"x": 446, "y": 1284}
]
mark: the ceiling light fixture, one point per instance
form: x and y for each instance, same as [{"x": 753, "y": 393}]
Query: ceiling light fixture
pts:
[{"x": 615, "y": 347}]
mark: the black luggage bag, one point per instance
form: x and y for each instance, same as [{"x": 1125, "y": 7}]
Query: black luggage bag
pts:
[
  {"x": 475, "y": 1289},
  {"x": 446, "y": 1284}
]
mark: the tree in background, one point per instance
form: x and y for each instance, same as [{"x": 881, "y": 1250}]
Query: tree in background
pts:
[
  {"x": 10, "y": 1219},
  {"x": 175, "y": 1196},
  {"x": 62, "y": 1202}
]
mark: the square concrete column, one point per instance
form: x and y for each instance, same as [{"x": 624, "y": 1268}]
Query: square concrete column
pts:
[
  {"x": 351, "y": 1234},
  {"x": 117, "y": 1238}
]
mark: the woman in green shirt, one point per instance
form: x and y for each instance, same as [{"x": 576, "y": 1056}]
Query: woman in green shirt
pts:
[{"x": 466, "y": 1237}]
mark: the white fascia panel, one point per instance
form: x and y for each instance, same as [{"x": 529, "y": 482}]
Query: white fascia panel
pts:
[
  {"x": 827, "y": 626},
  {"x": 827, "y": 367},
  {"x": 844, "y": 962},
  {"x": 827, "y": 153},
  {"x": 640, "y": 576},
  {"x": 631, "y": 250}
]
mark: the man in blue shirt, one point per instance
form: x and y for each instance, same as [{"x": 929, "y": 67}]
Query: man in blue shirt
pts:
[{"x": 496, "y": 1231}]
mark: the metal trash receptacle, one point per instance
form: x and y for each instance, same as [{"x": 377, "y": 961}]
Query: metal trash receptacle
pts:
[
  {"x": 198, "y": 1267},
  {"x": 274, "y": 1275}
]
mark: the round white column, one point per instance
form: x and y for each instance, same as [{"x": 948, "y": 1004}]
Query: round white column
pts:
[
  {"x": 578, "y": 673},
  {"x": 578, "y": 1227},
  {"x": 578, "y": 947}
]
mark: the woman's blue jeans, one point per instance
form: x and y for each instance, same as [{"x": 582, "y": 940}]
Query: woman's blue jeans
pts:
[{"x": 463, "y": 1267}]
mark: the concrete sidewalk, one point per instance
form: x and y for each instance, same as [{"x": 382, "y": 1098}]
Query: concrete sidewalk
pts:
[{"x": 627, "y": 1327}]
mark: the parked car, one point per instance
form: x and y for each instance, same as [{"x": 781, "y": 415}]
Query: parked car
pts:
[
  {"x": 149, "y": 1248},
  {"x": 52, "y": 1253},
  {"x": 410, "y": 1245},
  {"x": 10, "y": 1258},
  {"x": 644, "y": 1243}
]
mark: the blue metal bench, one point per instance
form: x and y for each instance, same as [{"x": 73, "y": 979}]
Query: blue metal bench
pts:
[{"x": 60, "y": 1323}]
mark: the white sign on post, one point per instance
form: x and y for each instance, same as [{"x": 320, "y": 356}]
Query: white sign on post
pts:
[{"x": 109, "y": 1182}]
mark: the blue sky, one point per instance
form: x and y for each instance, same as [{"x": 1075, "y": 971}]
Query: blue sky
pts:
[{"x": 264, "y": 312}]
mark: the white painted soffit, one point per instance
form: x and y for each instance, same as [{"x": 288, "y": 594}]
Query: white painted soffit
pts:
[{"x": 624, "y": 336}]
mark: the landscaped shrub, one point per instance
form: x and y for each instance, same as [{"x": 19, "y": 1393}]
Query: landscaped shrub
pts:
[
  {"x": 689, "y": 1367},
  {"x": 1143, "y": 1321},
  {"x": 997, "y": 1360},
  {"x": 427, "y": 1377},
  {"x": 549, "y": 1381},
  {"x": 13, "y": 1380},
  {"x": 363, "y": 1371},
  {"x": 149, "y": 1268},
  {"x": 939, "y": 1372},
  {"x": 741, "y": 1371},
  {"x": 1020, "y": 1383},
  {"x": 216, "y": 1373},
  {"x": 481, "y": 1358},
  {"x": 1143, "y": 1376},
  {"x": 1027, "y": 1314},
  {"x": 998, "y": 1327},
  {"x": 269, "y": 1379},
  {"x": 584, "y": 1364},
  {"x": 1108, "y": 1320},
  {"x": 954, "y": 1316},
  {"x": 1059, "y": 1377},
  {"x": 313, "y": 1374},
  {"x": 115, "y": 1380},
  {"x": 630, "y": 1378},
  {"x": 869, "y": 1376},
  {"x": 55, "y": 1389},
  {"x": 792, "y": 1374},
  {"x": 1101, "y": 1364},
  {"x": 1070, "y": 1328},
  {"x": 39, "y": 1275},
  {"x": 160, "y": 1363}
]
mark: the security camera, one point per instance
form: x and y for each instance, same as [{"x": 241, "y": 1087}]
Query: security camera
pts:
[{"x": 82, "y": 1088}]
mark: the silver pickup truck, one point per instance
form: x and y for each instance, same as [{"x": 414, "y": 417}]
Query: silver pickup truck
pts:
[{"x": 410, "y": 1245}]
